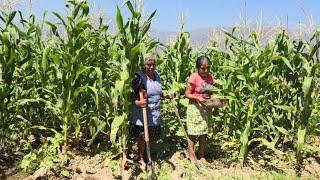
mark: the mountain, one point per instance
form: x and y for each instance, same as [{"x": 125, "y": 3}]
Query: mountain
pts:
[{"x": 198, "y": 37}]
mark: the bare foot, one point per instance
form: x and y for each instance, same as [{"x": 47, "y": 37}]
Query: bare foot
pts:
[
  {"x": 192, "y": 160},
  {"x": 195, "y": 162},
  {"x": 203, "y": 161},
  {"x": 142, "y": 164},
  {"x": 192, "y": 157}
]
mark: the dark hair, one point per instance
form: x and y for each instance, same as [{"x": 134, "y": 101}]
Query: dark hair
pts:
[{"x": 200, "y": 61}]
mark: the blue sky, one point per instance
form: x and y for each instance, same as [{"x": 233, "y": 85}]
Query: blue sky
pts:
[{"x": 206, "y": 13}]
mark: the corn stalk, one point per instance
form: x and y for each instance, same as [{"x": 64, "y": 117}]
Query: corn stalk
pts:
[{"x": 134, "y": 44}]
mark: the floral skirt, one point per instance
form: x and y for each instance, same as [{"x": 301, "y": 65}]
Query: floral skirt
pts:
[{"x": 197, "y": 120}]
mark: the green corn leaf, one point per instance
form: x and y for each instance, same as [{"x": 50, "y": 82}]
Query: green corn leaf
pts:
[
  {"x": 282, "y": 130},
  {"x": 44, "y": 128},
  {"x": 60, "y": 18},
  {"x": 286, "y": 61},
  {"x": 44, "y": 62},
  {"x": 3, "y": 18},
  {"x": 116, "y": 123},
  {"x": 306, "y": 86},
  {"x": 241, "y": 77},
  {"x": 145, "y": 29},
  {"x": 96, "y": 96},
  {"x": 119, "y": 20},
  {"x": 300, "y": 142},
  {"x": 231, "y": 36},
  {"x": 79, "y": 90},
  {"x": 85, "y": 8},
  {"x": 314, "y": 50},
  {"x": 53, "y": 27},
  {"x": 80, "y": 71},
  {"x": 306, "y": 65},
  {"x": 130, "y": 7},
  {"x": 10, "y": 17},
  {"x": 119, "y": 85},
  {"x": 100, "y": 128},
  {"x": 284, "y": 107},
  {"x": 76, "y": 11},
  {"x": 271, "y": 145},
  {"x": 135, "y": 49},
  {"x": 147, "y": 24},
  {"x": 99, "y": 75},
  {"x": 65, "y": 173},
  {"x": 151, "y": 16},
  {"x": 82, "y": 23},
  {"x": 244, "y": 139},
  {"x": 31, "y": 29},
  {"x": 184, "y": 102}
]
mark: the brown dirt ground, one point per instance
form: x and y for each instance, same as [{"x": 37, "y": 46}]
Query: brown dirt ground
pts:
[
  {"x": 174, "y": 167},
  {"x": 170, "y": 165}
]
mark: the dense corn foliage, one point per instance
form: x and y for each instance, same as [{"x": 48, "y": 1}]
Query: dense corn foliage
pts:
[{"x": 72, "y": 85}]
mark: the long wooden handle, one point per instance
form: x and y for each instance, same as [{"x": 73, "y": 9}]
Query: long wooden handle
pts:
[
  {"x": 145, "y": 119},
  {"x": 175, "y": 108},
  {"x": 145, "y": 124},
  {"x": 146, "y": 133}
]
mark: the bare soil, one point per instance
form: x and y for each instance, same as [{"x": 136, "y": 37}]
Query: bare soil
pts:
[
  {"x": 170, "y": 163},
  {"x": 174, "y": 166}
]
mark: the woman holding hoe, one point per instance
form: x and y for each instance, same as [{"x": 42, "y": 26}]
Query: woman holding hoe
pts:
[
  {"x": 147, "y": 93},
  {"x": 199, "y": 110}
]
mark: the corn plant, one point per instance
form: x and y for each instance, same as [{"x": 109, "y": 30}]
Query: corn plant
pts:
[
  {"x": 268, "y": 77},
  {"x": 311, "y": 65},
  {"x": 8, "y": 62},
  {"x": 134, "y": 44},
  {"x": 16, "y": 51},
  {"x": 177, "y": 64},
  {"x": 70, "y": 81}
]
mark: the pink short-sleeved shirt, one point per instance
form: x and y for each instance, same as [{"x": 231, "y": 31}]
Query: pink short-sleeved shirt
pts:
[{"x": 199, "y": 83}]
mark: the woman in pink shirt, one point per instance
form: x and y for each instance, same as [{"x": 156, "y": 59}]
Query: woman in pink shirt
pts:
[{"x": 198, "y": 115}]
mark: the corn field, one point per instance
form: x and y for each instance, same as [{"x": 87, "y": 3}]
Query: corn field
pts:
[{"x": 69, "y": 87}]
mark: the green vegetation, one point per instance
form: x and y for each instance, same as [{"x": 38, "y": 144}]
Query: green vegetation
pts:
[{"x": 68, "y": 88}]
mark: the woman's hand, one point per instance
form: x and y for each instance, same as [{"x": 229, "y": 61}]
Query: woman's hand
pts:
[
  {"x": 200, "y": 99},
  {"x": 142, "y": 103},
  {"x": 223, "y": 102},
  {"x": 168, "y": 95},
  {"x": 215, "y": 103},
  {"x": 188, "y": 93}
]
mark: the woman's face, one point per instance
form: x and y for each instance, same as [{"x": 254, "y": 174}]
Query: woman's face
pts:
[
  {"x": 149, "y": 67},
  {"x": 204, "y": 69}
]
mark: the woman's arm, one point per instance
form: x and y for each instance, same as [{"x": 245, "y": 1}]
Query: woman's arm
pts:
[
  {"x": 189, "y": 95},
  {"x": 141, "y": 103},
  {"x": 137, "y": 86}
]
